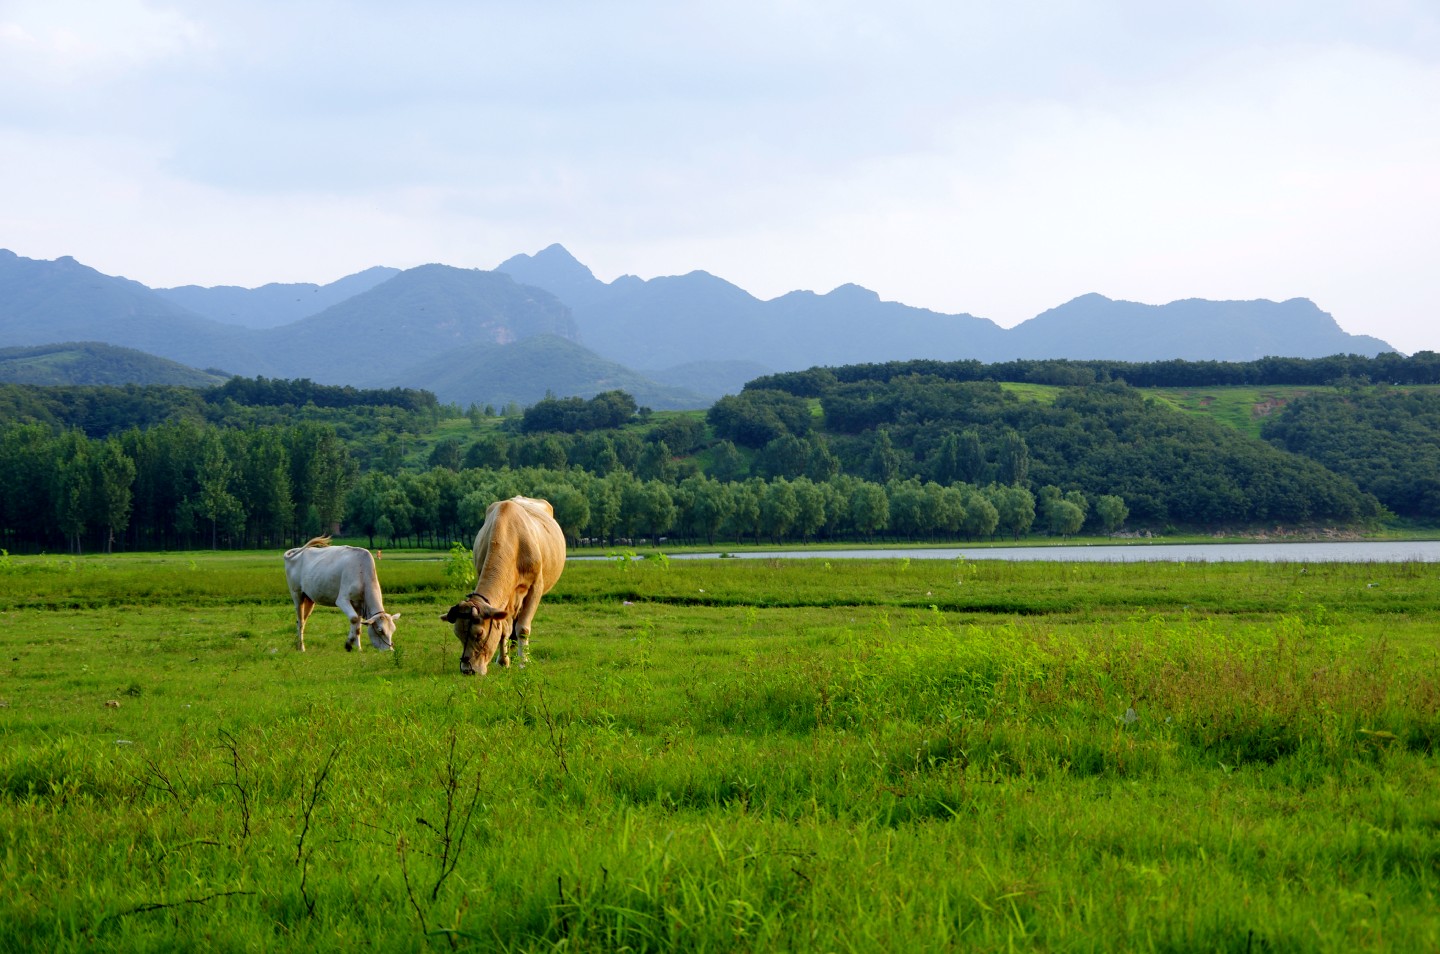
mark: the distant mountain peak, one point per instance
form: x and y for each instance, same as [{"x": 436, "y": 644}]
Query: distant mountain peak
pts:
[
  {"x": 556, "y": 271},
  {"x": 555, "y": 252},
  {"x": 853, "y": 293},
  {"x": 553, "y": 261}
]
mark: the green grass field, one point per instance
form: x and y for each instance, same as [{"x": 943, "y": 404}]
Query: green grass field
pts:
[
  {"x": 727, "y": 756},
  {"x": 1242, "y": 408}
]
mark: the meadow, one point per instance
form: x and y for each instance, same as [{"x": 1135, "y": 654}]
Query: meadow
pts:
[{"x": 726, "y": 755}]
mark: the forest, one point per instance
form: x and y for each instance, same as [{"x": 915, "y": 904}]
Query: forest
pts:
[
  {"x": 1422, "y": 367},
  {"x": 916, "y": 451}
]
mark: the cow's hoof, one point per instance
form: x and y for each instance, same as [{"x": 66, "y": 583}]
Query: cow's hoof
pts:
[{"x": 349, "y": 648}]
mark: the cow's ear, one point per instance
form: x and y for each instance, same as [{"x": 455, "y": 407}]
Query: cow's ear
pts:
[{"x": 395, "y": 617}]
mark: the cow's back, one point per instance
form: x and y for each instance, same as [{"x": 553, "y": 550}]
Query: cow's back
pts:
[
  {"x": 325, "y": 573},
  {"x": 522, "y": 536}
]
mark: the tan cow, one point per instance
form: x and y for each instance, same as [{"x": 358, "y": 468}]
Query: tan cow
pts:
[
  {"x": 519, "y": 554},
  {"x": 343, "y": 577}
]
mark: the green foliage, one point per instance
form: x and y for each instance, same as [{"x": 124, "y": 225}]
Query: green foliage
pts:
[
  {"x": 609, "y": 409},
  {"x": 460, "y": 567},
  {"x": 682, "y": 432},
  {"x": 754, "y": 418},
  {"x": 1111, "y": 511},
  {"x": 1387, "y": 441},
  {"x": 1421, "y": 368},
  {"x": 279, "y": 392}
]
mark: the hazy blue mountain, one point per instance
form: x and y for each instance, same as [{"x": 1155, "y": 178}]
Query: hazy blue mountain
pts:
[
  {"x": 681, "y": 319},
  {"x": 421, "y": 314},
  {"x": 710, "y": 379},
  {"x": 852, "y": 325},
  {"x": 558, "y": 272},
  {"x": 270, "y": 306},
  {"x": 707, "y": 335},
  {"x": 1194, "y": 329},
  {"x": 699, "y": 317},
  {"x": 42, "y": 302},
  {"x": 652, "y": 324},
  {"x": 92, "y": 363},
  {"x": 528, "y": 369}
]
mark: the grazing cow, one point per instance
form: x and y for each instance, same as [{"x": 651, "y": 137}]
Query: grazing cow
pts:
[
  {"x": 343, "y": 577},
  {"x": 519, "y": 554}
]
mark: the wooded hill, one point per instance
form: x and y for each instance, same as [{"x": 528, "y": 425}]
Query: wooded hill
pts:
[
  {"x": 911, "y": 450},
  {"x": 93, "y": 363}
]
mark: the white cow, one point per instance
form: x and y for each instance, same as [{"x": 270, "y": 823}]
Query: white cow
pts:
[{"x": 343, "y": 577}]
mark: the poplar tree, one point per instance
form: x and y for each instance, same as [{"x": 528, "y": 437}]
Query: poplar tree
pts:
[{"x": 114, "y": 476}]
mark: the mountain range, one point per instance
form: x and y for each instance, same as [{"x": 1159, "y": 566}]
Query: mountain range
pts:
[{"x": 544, "y": 323}]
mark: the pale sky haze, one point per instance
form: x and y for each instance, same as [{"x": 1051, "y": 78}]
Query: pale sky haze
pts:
[{"x": 996, "y": 159}]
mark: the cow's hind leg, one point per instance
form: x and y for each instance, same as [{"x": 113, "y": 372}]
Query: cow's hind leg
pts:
[
  {"x": 522, "y": 649},
  {"x": 303, "y": 606}
]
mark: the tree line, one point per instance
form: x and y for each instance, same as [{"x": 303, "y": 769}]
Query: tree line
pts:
[
  {"x": 182, "y": 486},
  {"x": 1170, "y": 468},
  {"x": 936, "y": 448},
  {"x": 173, "y": 486},
  {"x": 105, "y": 410},
  {"x": 1423, "y": 367}
]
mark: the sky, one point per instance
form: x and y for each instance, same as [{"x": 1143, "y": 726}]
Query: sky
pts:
[{"x": 996, "y": 159}]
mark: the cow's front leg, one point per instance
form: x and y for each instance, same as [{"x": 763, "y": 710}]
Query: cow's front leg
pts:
[
  {"x": 505, "y": 646},
  {"x": 352, "y": 641}
]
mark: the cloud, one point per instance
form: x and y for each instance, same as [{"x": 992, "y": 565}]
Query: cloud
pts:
[{"x": 70, "y": 41}]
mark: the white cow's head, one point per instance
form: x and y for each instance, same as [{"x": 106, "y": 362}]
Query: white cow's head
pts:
[
  {"x": 382, "y": 631},
  {"x": 480, "y": 627}
]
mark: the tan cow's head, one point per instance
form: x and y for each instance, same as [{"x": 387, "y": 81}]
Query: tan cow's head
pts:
[{"x": 480, "y": 628}]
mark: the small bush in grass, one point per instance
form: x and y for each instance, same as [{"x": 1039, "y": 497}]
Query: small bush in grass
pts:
[{"x": 460, "y": 567}]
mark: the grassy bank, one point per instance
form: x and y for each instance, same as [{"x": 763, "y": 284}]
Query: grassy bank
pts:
[{"x": 728, "y": 755}]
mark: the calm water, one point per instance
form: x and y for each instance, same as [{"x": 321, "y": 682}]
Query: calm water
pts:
[{"x": 1422, "y": 551}]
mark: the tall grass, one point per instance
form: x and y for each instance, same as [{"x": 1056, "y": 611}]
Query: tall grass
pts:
[{"x": 728, "y": 756}]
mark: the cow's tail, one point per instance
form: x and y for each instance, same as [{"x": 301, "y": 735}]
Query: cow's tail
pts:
[{"x": 312, "y": 542}]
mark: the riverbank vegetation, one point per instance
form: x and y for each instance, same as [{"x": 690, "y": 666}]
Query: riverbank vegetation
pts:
[{"x": 727, "y": 756}]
